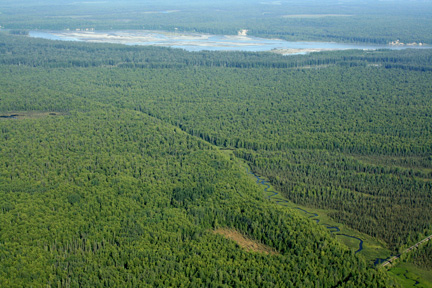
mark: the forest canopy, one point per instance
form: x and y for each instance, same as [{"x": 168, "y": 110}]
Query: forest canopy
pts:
[{"x": 119, "y": 162}]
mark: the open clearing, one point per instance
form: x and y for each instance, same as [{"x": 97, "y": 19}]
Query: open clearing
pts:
[
  {"x": 28, "y": 114},
  {"x": 242, "y": 241}
]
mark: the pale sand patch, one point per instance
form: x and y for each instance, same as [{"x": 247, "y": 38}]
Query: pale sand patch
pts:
[
  {"x": 155, "y": 38},
  {"x": 128, "y": 36},
  {"x": 300, "y": 51},
  {"x": 246, "y": 243}
]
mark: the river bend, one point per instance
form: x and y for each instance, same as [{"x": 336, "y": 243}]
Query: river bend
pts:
[{"x": 313, "y": 216}]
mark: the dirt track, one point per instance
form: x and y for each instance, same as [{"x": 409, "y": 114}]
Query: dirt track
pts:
[{"x": 390, "y": 261}]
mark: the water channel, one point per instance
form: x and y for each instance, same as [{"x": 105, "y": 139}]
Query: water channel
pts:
[{"x": 283, "y": 202}]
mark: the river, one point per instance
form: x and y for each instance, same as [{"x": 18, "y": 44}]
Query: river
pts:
[{"x": 200, "y": 42}]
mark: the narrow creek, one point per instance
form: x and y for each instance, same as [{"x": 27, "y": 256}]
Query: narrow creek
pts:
[{"x": 313, "y": 216}]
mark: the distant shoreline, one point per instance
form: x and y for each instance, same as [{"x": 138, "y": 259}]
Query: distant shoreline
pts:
[
  {"x": 201, "y": 41},
  {"x": 300, "y": 51}
]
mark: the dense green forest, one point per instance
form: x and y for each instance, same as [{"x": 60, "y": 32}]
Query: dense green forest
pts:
[
  {"x": 346, "y": 131},
  {"x": 423, "y": 257},
  {"x": 99, "y": 194},
  {"x": 331, "y": 20},
  {"x": 112, "y": 172},
  {"x": 414, "y": 268}
]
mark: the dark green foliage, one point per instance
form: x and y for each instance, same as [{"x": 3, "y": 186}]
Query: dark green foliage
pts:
[
  {"x": 74, "y": 198},
  {"x": 422, "y": 256},
  {"x": 353, "y": 139},
  {"x": 105, "y": 194},
  {"x": 389, "y": 203},
  {"x": 121, "y": 170},
  {"x": 18, "y": 32}
]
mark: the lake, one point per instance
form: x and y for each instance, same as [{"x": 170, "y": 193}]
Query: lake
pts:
[{"x": 200, "y": 42}]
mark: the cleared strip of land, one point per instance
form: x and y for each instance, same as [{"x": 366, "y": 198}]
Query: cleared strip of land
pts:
[
  {"x": 246, "y": 243},
  {"x": 390, "y": 261}
]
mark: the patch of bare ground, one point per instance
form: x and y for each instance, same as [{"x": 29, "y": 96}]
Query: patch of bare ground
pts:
[
  {"x": 28, "y": 114},
  {"x": 244, "y": 242},
  {"x": 299, "y": 51}
]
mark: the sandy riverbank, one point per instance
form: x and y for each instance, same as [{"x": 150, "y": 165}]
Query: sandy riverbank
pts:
[
  {"x": 201, "y": 41},
  {"x": 300, "y": 51},
  {"x": 157, "y": 38}
]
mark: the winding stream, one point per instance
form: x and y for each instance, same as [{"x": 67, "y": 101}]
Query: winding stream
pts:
[
  {"x": 407, "y": 278},
  {"x": 313, "y": 216},
  {"x": 14, "y": 116}
]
